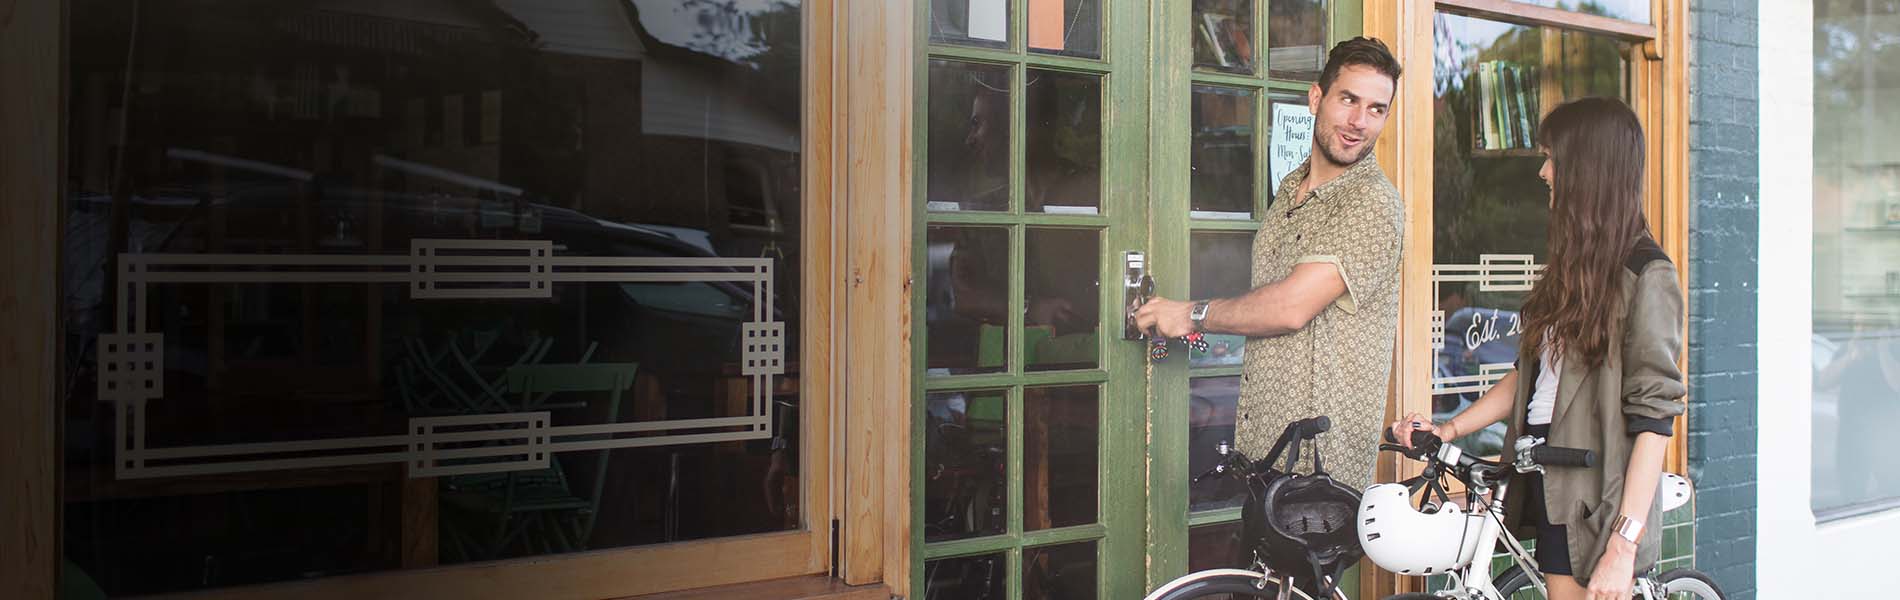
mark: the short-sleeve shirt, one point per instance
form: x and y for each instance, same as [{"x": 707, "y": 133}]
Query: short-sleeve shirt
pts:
[{"x": 1340, "y": 363}]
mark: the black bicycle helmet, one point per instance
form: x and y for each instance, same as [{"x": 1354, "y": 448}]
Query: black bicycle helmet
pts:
[{"x": 1303, "y": 522}]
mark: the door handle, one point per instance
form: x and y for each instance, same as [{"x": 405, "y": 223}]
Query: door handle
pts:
[{"x": 1137, "y": 287}]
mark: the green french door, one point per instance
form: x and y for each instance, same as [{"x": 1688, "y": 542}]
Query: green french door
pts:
[{"x": 1058, "y": 142}]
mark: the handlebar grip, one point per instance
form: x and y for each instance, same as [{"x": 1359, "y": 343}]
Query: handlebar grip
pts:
[
  {"x": 1315, "y": 426},
  {"x": 1423, "y": 443},
  {"x": 1420, "y": 438},
  {"x": 1552, "y": 456}
]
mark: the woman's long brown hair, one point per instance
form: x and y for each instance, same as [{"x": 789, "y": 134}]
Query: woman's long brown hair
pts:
[{"x": 1596, "y": 149}]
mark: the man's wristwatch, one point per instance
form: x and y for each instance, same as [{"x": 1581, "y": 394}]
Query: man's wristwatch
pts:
[
  {"x": 1199, "y": 315},
  {"x": 1627, "y": 528}
]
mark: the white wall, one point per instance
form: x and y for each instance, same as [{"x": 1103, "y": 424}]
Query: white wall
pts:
[
  {"x": 1793, "y": 554},
  {"x": 1786, "y": 533}
]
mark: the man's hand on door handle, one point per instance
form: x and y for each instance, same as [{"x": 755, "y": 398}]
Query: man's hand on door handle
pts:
[{"x": 1166, "y": 318}]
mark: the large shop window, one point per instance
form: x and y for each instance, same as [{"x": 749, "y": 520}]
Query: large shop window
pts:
[
  {"x": 1492, "y": 83},
  {"x": 360, "y": 286},
  {"x": 1856, "y": 337}
]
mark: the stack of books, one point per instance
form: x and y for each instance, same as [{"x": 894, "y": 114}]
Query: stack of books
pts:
[{"x": 1507, "y": 106}]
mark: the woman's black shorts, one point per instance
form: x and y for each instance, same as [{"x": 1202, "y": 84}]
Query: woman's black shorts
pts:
[{"x": 1553, "y": 546}]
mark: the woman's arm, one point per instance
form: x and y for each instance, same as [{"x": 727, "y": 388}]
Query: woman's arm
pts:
[
  {"x": 1618, "y": 564},
  {"x": 1639, "y": 484},
  {"x": 1490, "y": 408},
  {"x": 1652, "y": 397}
]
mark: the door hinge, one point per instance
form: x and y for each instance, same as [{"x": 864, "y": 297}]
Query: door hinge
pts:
[{"x": 834, "y": 548}]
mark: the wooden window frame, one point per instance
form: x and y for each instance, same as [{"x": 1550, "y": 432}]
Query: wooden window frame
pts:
[{"x": 855, "y": 109}]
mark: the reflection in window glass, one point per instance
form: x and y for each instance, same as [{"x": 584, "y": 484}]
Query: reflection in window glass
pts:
[
  {"x": 981, "y": 576},
  {"x": 1296, "y": 36},
  {"x": 394, "y": 187},
  {"x": 1212, "y": 405},
  {"x": 1061, "y": 572},
  {"x": 1066, "y": 27},
  {"x": 1492, "y": 82},
  {"x": 1629, "y": 10},
  {"x": 1856, "y": 338},
  {"x": 982, "y": 23},
  {"x": 966, "y": 300},
  {"x": 968, "y": 123},
  {"x": 1061, "y": 434},
  {"x": 1223, "y": 35},
  {"x": 1064, "y": 137},
  {"x": 964, "y": 483},
  {"x": 1062, "y": 300},
  {"x": 1221, "y": 154},
  {"x": 1215, "y": 546},
  {"x": 1220, "y": 265}
]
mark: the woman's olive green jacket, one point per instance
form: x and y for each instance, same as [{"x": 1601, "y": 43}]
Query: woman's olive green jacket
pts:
[{"x": 1637, "y": 388}]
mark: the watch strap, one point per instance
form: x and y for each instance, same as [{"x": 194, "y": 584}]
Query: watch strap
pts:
[{"x": 1627, "y": 528}]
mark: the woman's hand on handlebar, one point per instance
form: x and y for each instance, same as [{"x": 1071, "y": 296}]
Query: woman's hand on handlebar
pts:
[{"x": 1402, "y": 429}]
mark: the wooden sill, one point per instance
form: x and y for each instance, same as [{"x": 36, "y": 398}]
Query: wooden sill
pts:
[{"x": 813, "y": 587}]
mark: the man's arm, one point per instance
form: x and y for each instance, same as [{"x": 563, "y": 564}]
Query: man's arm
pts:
[{"x": 1277, "y": 308}]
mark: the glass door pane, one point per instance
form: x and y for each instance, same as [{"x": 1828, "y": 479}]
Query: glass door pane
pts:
[
  {"x": 352, "y": 334},
  {"x": 1629, "y": 10},
  {"x": 1494, "y": 81},
  {"x": 1296, "y": 30},
  {"x": 1030, "y": 398},
  {"x": 1224, "y": 37}
]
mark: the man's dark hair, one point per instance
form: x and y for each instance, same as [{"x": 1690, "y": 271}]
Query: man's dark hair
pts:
[{"x": 1359, "y": 51}]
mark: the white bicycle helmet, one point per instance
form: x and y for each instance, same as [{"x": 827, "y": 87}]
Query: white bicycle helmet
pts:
[
  {"x": 1401, "y": 539},
  {"x": 1675, "y": 491}
]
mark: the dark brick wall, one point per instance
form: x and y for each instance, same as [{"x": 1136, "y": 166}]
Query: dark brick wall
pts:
[{"x": 1723, "y": 255}]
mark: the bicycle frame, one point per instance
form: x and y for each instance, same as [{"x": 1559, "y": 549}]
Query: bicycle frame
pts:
[{"x": 1475, "y": 580}]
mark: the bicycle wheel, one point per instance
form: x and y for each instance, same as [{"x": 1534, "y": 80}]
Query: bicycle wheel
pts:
[
  {"x": 1220, "y": 583},
  {"x": 1678, "y": 584},
  {"x": 1413, "y": 596},
  {"x": 1515, "y": 584},
  {"x": 1689, "y": 584}
]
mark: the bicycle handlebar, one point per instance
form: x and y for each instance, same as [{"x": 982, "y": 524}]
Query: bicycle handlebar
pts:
[
  {"x": 1313, "y": 426},
  {"x": 1552, "y": 456},
  {"x": 1419, "y": 437}
]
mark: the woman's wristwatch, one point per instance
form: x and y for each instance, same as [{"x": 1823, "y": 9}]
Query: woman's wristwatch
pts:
[{"x": 1627, "y": 528}]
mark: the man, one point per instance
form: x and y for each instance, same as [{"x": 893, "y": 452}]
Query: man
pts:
[{"x": 1323, "y": 312}]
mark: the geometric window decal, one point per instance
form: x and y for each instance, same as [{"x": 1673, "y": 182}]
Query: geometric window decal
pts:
[
  {"x": 764, "y": 348},
  {"x": 131, "y": 366},
  {"x": 131, "y": 359},
  {"x": 1438, "y": 329},
  {"x": 1493, "y": 273}
]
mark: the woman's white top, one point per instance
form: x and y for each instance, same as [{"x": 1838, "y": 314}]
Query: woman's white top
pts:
[{"x": 1544, "y": 397}]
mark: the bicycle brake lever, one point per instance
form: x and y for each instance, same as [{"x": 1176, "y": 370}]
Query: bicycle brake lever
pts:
[{"x": 1217, "y": 470}]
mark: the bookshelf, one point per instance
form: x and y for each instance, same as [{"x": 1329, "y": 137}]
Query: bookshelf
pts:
[
  {"x": 1506, "y": 108},
  {"x": 1507, "y": 153}
]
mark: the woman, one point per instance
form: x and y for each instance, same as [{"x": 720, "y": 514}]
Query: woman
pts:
[{"x": 1597, "y": 364}]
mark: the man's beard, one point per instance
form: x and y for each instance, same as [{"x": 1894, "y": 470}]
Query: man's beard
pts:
[{"x": 1327, "y": 153}]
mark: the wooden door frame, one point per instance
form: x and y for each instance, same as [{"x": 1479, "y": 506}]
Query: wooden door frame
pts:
[
  {"x": 32, "y": 71},
  {"x": 855, "y": 107}
]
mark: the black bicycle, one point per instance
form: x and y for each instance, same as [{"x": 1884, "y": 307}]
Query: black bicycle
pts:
[{"x": 1297, "y": 529}]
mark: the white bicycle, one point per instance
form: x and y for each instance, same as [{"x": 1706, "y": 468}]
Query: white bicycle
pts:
[{"x": 1443, "y": 538}]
